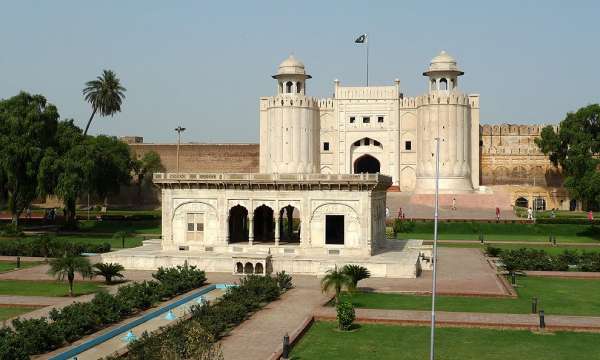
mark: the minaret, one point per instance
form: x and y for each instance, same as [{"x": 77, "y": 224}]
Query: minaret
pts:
[
  {"x": 444, "y": 112},
  {"x": 289, "y": 124}
]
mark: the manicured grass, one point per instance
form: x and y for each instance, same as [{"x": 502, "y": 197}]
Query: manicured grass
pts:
[
  {"x": 566, "y": 233},
  {"x": 382, "y": 342},
  {"x": 554, "y": 250},
  {"x": 7, "y": 312},
  {"x": 112, "y": 226},
  {"x": 99, "y": 239},
  {"x": 12, "y": 265},
  {"x": 45, "y": 288},
  {"x": 556, "y": 296}
]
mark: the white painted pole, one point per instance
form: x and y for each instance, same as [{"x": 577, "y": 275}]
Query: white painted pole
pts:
[{"x": 434, "y": 256}]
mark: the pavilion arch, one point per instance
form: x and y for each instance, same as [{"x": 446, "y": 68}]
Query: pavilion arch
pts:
[
  {"x": 263, "y": 224},
  {"x": 351, "y": 223},
  {"x": 238, "y": 224},
  {"x": 289, "y": 224},
  {"x": 249, "y": 268},
  {"x": 204, "y": 217},
  {"x": 366, "y": 164}
]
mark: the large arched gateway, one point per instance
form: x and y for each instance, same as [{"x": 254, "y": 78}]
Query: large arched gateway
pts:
[{"x": 367, "y": 164}]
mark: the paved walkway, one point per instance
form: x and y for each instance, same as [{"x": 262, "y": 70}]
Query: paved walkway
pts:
[
  {"x": 464, "y": 319},
  {"x": 259, "y": 336}
]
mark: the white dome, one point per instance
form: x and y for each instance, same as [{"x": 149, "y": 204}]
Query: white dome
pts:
[
  {"x": 443, "y": 62},
  {"x": 291, "y": 66}
]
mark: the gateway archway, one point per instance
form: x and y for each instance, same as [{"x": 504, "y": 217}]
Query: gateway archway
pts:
[{"x": 367, "y": 164}]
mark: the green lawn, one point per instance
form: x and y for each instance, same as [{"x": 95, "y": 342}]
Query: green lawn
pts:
[
  {"x": 556, "y": 296},
  {"x": 112, "y": 226},
  {"x": 382, "y": 342},
  {"x": 554, "y": 250},
  {"x": 565, "y": 233},
  {"x": 6, "y": 312},
  {"x": 45, "y": 288},
  {"x": 12, "y": 265},
  {"x": 132, "y": 241}
]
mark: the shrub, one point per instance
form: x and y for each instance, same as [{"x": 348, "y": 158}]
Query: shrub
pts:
[
  {"x": 389, "y": 232},
  {"x": 107, "y": 307},
  {"x": 108, "y": 271},
  {"x": 345, "y": 314},
  {"x": 138, "y": 296},
  {"x": 12, "y": 347},
  {"x": 76, "y": 320},
  {"x": 180, "y": 279},
  {"x": 356, "y": 273},
  {"x": 284, "y": 280},
  {"x": 37, "y": 335},
  {"x": 403, "y": 226},
  {"x": 10, "y": 230},
  {"x": 492, "y": 251}
]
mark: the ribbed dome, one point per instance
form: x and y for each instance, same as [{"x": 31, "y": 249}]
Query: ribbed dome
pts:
[
  {"x": 291, "y": 66},
  {"x": 443, "y": 62}
]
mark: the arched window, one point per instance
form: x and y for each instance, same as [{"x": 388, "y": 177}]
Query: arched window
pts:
[
  {"x": 288, "y": 87},
  {"x": 239, "y": 268},
  {"x": 522, "y": 202},
  {"x": 452, "y": 84},
  {"x": 258, "y": 268},
  {"x": 433, "y": 85},
  {"x": 238, "y": 224},
  {"x": 298, "y": 87},
  {"x": 289, "y": 225},
  {"x": 443, "y": 84}
]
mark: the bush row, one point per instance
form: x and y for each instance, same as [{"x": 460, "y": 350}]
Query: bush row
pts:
[
  {"x": 534, "y": 259},
  {"x": 209, "y": 322},
  {"x": 570, "y": 221},
  {"x": 36, "y": 246},
  {"x": 37, "y": 336},
  {"x": 132, "y": 217}
]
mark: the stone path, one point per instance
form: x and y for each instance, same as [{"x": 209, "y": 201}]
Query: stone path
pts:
[
  {"x": 464, "y": 319},
  {"x": 259, "y": 336}
]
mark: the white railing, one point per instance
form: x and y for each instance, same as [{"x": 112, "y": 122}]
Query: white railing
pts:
[{"x": 269, "y": 177}]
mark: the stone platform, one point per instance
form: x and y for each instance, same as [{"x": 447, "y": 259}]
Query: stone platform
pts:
[{"x": 398, "y": 259}]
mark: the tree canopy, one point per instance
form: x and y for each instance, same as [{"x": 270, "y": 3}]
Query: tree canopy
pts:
[
  {"x": 28, "y": 126},
  {"x": 105, "y": 94},
  {"x": 575, "y": 147}
]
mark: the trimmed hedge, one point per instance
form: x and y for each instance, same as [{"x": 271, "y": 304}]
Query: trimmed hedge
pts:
[
  {"x": 569, "y": 221},
  {"x": 210, "y": 321},
  {"x": 71, "y": 323},
  {"x": 31, "y": 246},
  {"x": 534, "y": 259}
]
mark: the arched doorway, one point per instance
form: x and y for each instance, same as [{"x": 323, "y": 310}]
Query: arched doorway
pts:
[
  {"x": 366, "y": 164},
  {"x": 522, "y": 202},
  {"x": 238, "y": 224},
  {"x": 289, "y": 225},
  {"x": 264, "y": 226},
  {"x": 539, "y": 204}
]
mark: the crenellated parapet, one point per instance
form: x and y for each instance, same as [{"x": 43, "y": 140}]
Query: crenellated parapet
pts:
[
  {"x": 296, "y": 100},
  {"x": 513, "y": 129},
  {"x": 367, "y": 93}
]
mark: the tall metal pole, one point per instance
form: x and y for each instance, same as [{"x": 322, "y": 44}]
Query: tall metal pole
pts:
[
  {"x": 367, "y": 40},
  {"x": 435, "y": 238},
  {"x": 179, "y": 130}
]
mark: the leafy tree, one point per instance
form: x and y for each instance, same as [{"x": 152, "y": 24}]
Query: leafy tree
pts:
[
  {"x": 145, "y": 167},
  {"x": 27, "y": 130},
  {"x": 67, "y": 266},
  {"x": 335, "y": 279},
  {"x": 105, "y": 94},
  {"x": 356, "y": 273},
  {"x": 109, "y": 271},
  {"x": 575, "y": 147}
]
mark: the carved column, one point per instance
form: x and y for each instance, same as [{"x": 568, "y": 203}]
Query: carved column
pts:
[
  {"x": 277, "y": 219},
  {"x": 250, "y": 230}
]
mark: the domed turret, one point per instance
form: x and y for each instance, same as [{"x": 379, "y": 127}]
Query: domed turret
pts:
[
  {"x": 291, "y": 76},
  {"x": 443, "y": 73}
]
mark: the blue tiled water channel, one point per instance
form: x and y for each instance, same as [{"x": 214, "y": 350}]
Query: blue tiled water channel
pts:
[{"x": 72, "y": 353}]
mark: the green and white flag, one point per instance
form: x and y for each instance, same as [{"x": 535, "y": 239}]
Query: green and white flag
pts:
[{"x": 361, "y": 39}]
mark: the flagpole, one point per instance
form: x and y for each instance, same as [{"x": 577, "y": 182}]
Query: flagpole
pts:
[
  {"x": 367, "y": 40},
  {"x": 434, "y": 255}
]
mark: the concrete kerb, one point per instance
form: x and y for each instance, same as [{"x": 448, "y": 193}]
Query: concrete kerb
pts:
[{"x": 298, "y": 333}]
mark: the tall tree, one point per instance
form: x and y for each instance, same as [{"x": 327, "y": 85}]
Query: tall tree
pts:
[
  {"x": 27, "y": 132},
  {"x": 575, "y": 147},
  {"x": 145, "y": 167},
  {"x": 69, "y": 265},
  {"x": 105, "y": 94}
]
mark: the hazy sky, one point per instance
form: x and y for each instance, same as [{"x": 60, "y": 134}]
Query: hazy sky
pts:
[{"x": 204, "y": 64}]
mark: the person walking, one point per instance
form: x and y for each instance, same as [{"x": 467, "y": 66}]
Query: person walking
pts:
[
  {"x": 590, "y": 215},
  {"x": 497, "y": 213},
  {"x": 387, "y": 212},
  {"x": 529, "y": 214},
  {"x": 454, "y": 203}
]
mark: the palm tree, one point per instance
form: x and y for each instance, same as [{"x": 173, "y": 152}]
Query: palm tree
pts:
[
  {"x": 67, "y": 266},
  {"x": 356, "y": 273},
  {"x": 105, "y": 94},
  {"x": 109, "y": 271},
  {"x": 335, "y": 279}
]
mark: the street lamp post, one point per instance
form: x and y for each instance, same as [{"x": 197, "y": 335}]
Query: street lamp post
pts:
[
  {"x": 434, "y": 256},
  {"x": 179, "y": 130}
]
